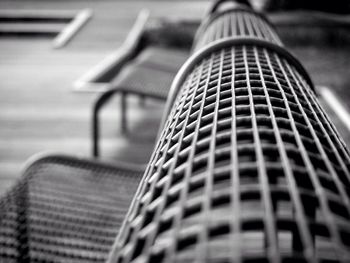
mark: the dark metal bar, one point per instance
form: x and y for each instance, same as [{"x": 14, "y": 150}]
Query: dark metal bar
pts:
[
  {"x": 238, "y": 22},
  {"x": 98, "y": 105},
  {"x": 248, "y": 167}
]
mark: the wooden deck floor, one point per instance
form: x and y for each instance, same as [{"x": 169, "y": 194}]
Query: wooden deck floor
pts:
[{"x": 38, "y": 110}]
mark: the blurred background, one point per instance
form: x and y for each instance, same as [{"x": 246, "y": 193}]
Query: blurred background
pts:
[{"x": 48, "y": 46}]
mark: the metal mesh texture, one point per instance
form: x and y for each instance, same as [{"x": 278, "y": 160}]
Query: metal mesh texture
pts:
[
  {"x": 163, "y": 58},
  {"x": 65, "y": 210},
  {"x": 152, "y": 72},
  {"x": 147, "y": 81},
  {"x": 234, "y": 22},
  {"x": 248, "y": 168}
]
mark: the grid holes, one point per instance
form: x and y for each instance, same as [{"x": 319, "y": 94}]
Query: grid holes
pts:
[
  {"x": 261, "y": 110},
  {"x": 288, "y": 237},
  {"x": 172, "y": 196},
  {"x": 264, "y": 122},
  {"x": 220, "y": 199},
  {"x": 222, "y": 176},
  {"x": 251, "y": 205},
  {"x": 254, "y": 78},
  {"x": 186, "y": 241},
  {"x": 253, "y": 238},
  {"x": 224, "y": 113},
  {"x": 138, "y": 247},
  {"x": 311, "y": 206},
  {"x": 223, "y": 157},
  {"x": 253, "y": 233},
  {"x": 302, "y": 178},
  {"x": 281, "y": 113},
  {"x": 223, "y": 139},
  {"x": 282, "y": 204},
  {"x": 303, "y": 130},
  {"x": 324, "y": 247},
  {"x": 243, "y": 111},
  {"x": 240, "y": 82},
  {"x": 218, "y": 230},
  {"x": 165, "y": 225},
  {"x": 199, "y": 165},
  {"x": 294, "y": 156},
  {"x": 245, "y": 136},
  {"x": 248, "y": 173},
  {"x": 270, "y": 153},
  {"x": 225, "y": 95},
  {"x": 267, "y": 137},
  {"x": 224, "y": 124},
  {"x": 192, "y": 207},
  {"x": 318, "y": 163},
  {"x": 257, "y": 91},
  {"x": 328, "y": 183},
  {"x": 243, "y": 123},
  {"x": 196, "y": 183},
  {"x": 339, "y": 210},
  {"x": 147, "y": 219},
  {"x": 246, "y": 153},
  {"x": 202, "y": 146},
  {"x": 345, "y": 237},
  {"x": 259, "y": 100},
  {"x": 275, "y": 174}
]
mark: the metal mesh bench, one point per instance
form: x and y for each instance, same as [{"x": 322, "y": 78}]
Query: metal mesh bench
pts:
[
  {"x": 150, "y": 75},
  {"x": 248, "y": 167},
  {"x": 65, "y": 209},
  {"x": 239, "y": 21}
]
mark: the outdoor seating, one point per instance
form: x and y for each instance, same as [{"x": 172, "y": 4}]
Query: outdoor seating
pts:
[
  {"x": 149, "y": 76},
  {"x": 65, "y": 209},
  {"x": 247, "y": 166},
  {"x": 68, "y": 209}
]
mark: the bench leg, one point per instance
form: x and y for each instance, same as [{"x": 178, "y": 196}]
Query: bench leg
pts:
[
  {"x": 142, "y": 100},
  {"x": 97, "y": 106},
  {"x": 124, "y": 127}
]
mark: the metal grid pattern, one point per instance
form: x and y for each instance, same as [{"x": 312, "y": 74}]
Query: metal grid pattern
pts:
[
  {"x": 248, "y": 168},
  {"x": 163, "y": 58},
  {"x": 234, "y": 22},
  {"x": 152, "y": 72},
  {"x": 65, "y": 210},
  {"x": 144, "y": 80}
]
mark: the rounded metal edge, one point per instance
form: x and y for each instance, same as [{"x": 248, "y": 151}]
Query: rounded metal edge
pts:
[
  {"x": 216, "y": 5},
  {"x": 201, "y": 53},
  {"x": 49, "y": 155},
  {"x": 213, "y": 16}
]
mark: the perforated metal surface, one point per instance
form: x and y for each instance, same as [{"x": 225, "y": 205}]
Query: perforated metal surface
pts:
[
  {"x": 144, "y": 80},
  {"x": 163, "y": 58},
  {"x": 65, "y": 210},
  {"x": 152, "y": 72},
  {"x": 248, "y": 168},
  {"x": 235, "y": 22}
]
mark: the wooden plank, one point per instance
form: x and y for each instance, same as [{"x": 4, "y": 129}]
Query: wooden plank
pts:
[
  {"x": 113, "y": 60},
  {"x": 38, "y": 111},
  {"x": 28, "y": 28},
  {"x": 72, "y": 28},
  {"x": 335, "y": 105},
  {"x": 309, "y": 19},
  {"x": 28, "y": 14}
]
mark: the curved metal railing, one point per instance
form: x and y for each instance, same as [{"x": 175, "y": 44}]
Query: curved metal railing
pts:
[
  {"x": 239, "y": 21},
  {"x": 248, "y": 167}
]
